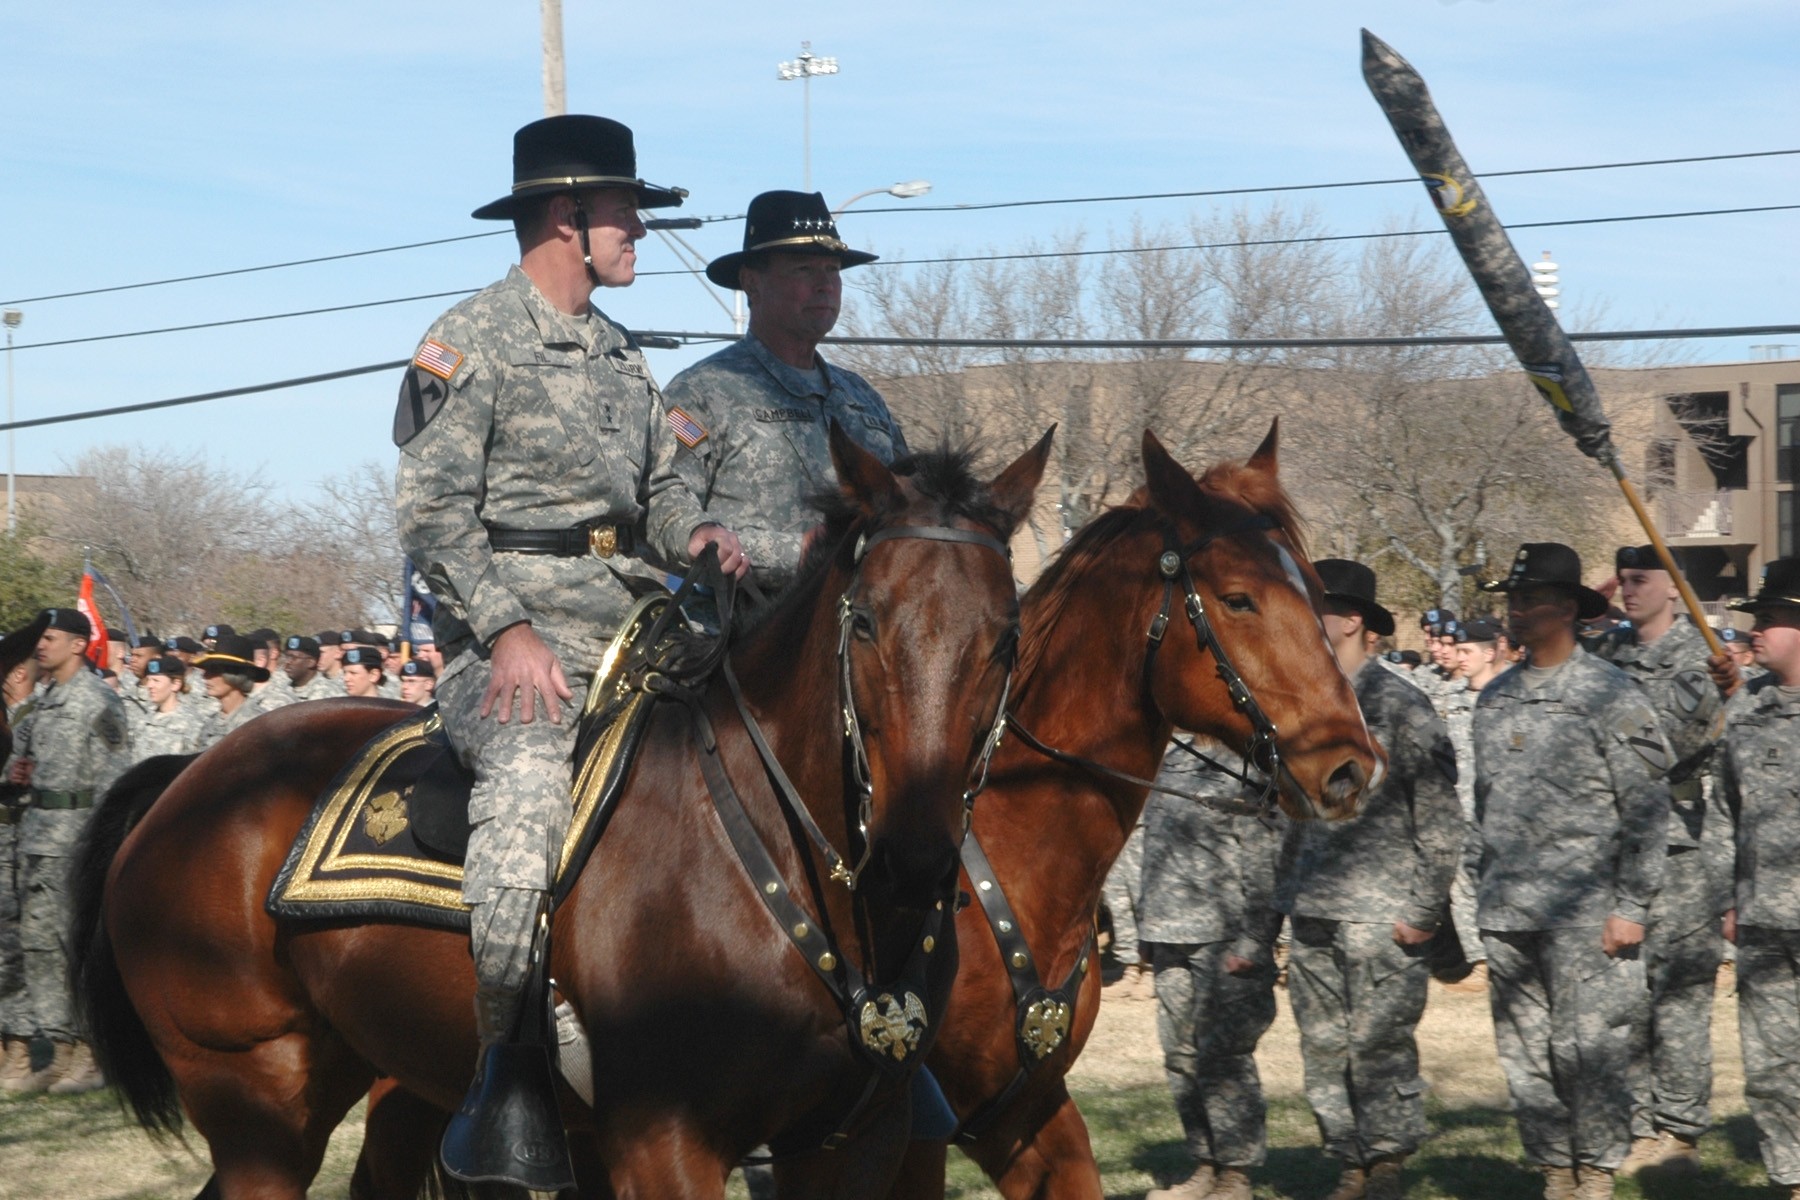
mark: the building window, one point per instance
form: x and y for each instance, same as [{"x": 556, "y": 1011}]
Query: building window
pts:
[
  {"x": 1784, "y": 507},
  {"x": 1787, "y": 427}
]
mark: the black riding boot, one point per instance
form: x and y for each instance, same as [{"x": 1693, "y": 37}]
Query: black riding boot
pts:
[{"x": 509, "y": 1129}]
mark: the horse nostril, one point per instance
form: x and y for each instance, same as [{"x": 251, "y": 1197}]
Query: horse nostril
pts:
[{"x": 1343, "y": 785}]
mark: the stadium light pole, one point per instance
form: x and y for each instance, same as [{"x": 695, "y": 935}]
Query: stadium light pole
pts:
[
  {"x": 804, "y": 68},
  {"x": 909, "y": 190},
  {"x": 12, "y": 318}
]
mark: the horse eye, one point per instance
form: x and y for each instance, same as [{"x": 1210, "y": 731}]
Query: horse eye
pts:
[
  {"x": 1240, "y": 603},
  {"x": 862, "y": 623}
]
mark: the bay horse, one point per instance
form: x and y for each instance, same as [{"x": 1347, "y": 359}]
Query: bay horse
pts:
[
  {"x": 709, "y": 1034},
  {"x": 1107, "y": 670}
]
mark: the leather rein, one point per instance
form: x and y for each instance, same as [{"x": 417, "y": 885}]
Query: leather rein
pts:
[{"x": 890, "y": 1028}]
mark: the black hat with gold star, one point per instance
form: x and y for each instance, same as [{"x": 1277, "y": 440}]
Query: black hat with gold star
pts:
[{"x": 786, "y": 223}]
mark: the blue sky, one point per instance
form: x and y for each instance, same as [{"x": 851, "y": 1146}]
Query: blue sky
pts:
[{"x": 142, "y": 141}]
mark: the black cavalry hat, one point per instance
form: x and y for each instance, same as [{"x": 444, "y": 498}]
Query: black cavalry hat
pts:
[
  {"x": 1551, "y": 564},
  {"x": 232, "y": 654},
  {"x": 1354, "y": 584},
  {"x": 1780, "y": 587},
  {"x": 561, "y": 154},
  {"x": 791, "y": 222}
]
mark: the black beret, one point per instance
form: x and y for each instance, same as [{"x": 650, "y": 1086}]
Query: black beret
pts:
[
  {"x": 146, "y": 639},
  {"x": 215, "y": 632},
  {"x": 365, "y": 656},
  {"x": 416, "y": 668},
  {"x": 1479, "y": 629},
  {"x": 303, "y": 644},
  {"x": 168, "y": 665},
  {"x": 69, "y": 620},
  {"x": 186, "y": 644},
  {"x": 360, "y": 637}
]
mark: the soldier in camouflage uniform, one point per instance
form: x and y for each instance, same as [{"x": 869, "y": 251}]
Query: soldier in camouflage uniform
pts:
[
  {"x": 67, "y": 751},
  {"x": 1479, "y": 663},
  {"x": 144, "y": 647},
  {"x": 1759, "y": 775},
  {"x": 533, "y": 448},
  {"x": 1572, "y": 809},
  {"x": 752, "y": 420},
  {"x": 166, "y": 726},
  {"x": 1739, "y": 650},
  {"x": 300, "y": 657},
  {"x": 1363, "y": 897},
  {"x": 1666, "y": 655},
  {"x": 16, "y": 1022},
  {"x": 1208, "y": 884},
  {"x": 229, "y": 674}
]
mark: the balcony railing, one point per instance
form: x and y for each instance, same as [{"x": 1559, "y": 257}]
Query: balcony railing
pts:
[{"x": 1695, "y": 514}]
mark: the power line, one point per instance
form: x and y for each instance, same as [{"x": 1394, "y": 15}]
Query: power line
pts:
[
  {"x": 298, "y": 262},
  {"x": 999, "y": 204},
  {"x": 1462, "y": 339},
  {"x": 1302, "y": 187},
  {"x": 304, "y": 312},
  {"x": 970, "y": 258}
]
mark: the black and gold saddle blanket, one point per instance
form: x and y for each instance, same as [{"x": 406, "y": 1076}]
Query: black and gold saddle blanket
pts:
[{"x": 385, "y": 840}]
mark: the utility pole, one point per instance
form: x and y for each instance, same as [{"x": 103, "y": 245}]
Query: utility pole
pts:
[
  {"x": 12, "y": 319},
  {"x": 556, "y": 90},
  {"x": 803, "y": 69}
]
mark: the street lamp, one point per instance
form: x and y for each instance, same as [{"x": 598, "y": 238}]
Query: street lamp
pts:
[
  {"x": 803, "y": 69},
  {"x": 12, "y": 318},
  {"x": 909, "y": 190}
]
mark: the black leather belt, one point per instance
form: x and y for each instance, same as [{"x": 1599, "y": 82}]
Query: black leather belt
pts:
[{"x": 577, "y": 541}]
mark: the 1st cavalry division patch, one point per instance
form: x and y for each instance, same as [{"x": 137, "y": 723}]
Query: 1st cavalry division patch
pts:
[{"x": 424, "y": 389}]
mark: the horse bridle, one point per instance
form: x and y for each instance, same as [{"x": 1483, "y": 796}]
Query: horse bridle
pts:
[
  {"x": 1263, "y": 752},
  {"x": 840, "y": 871}
]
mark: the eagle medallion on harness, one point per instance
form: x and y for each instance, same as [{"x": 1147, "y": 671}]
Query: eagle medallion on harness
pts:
[
  {"x": 1045, "y": 1026},
  {"x": 893, "y": 1027}
]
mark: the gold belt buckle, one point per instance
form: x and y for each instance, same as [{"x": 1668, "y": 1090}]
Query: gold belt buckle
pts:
[{"x": 603, "y": 540}]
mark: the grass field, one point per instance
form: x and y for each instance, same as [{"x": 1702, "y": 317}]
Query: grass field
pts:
[{"x": 82, "y": 1148}]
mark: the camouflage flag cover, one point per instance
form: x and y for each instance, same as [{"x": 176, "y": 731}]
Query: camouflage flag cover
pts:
[{"x": 1539, "y": 343}]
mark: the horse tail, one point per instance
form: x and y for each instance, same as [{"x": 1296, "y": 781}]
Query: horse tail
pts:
[{"x": 120, "y": 1042}]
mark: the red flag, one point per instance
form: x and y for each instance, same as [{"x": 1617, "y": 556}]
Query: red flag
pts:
[{"x": 96, "y": 647}]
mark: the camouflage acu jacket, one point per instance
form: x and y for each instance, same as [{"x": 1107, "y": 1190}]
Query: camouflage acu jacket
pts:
[
  {"x": 154, "y": 733},
  {"x": 517, "y": 416},
  {"x": 1571, "y": 800},
  {"x": 77, "y": 737},
  {"x": 759, "y": 448},
  {"x": 1760, "y": 776},
  {"x": 1394, "y": 860},
  {"x": 1672, "y": 672},
  {"x": 1209, "y": 876}
]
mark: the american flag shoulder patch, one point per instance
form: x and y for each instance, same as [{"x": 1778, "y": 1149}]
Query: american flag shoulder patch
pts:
[
  {"x": 439, "y": 359},
  {"x": 687, "y": 431}
]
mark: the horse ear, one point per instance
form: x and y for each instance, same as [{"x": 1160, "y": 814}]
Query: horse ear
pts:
[
  {"x": 1173, "y": 489},
  {"x": 861, "y": 475},
  {"x": 1264, "y": 458},
  {"x": 1015, "y": 488}
]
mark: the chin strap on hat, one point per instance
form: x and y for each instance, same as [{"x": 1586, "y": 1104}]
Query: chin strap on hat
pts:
[{"x": 587, "y": 252}]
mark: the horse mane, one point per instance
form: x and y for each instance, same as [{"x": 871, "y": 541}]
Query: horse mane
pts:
[
  {"x": 1234, "y": 485},
  {"x": 944, "y": 475}
]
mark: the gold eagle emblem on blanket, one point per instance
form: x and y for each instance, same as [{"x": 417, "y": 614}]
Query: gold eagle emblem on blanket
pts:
[{"x": 386, "y": 818}]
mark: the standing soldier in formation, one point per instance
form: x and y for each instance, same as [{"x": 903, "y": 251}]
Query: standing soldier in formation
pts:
[
  {"x": 144, "y": 647},
  {"x": 417, "y": 682},
  {"x": 166, "y": 726},
  {"x": 1572, "y": 811},
  {"x": 1666, "y": 655},
  {"x": 363, "y": 676},
  {"x": 534, "y": 447},
  {"x": 17, "y": 1024},
  {"x": 1738, "y": 648},
  {"x": 752, "y": 419},
  {"x": 1363, "y": 897},
  {"x": 1759, "y": 774},
  {"x": 331, "y": 658},
  {"x": 1479, "y": 662},
  {"x": 230, "y": 673},
  {"x": 1208, "y": 884},
  {"x": 67, "y": 752},
  {"x": 300, "y": 663}
]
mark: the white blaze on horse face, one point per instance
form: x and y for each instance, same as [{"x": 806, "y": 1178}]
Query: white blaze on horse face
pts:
[{"x": 1295, "y": 577}]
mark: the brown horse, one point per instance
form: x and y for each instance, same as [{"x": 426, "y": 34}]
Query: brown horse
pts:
[
  {"x": 1093, "y": 686},
  {"x": 709, "y": 1033}
]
